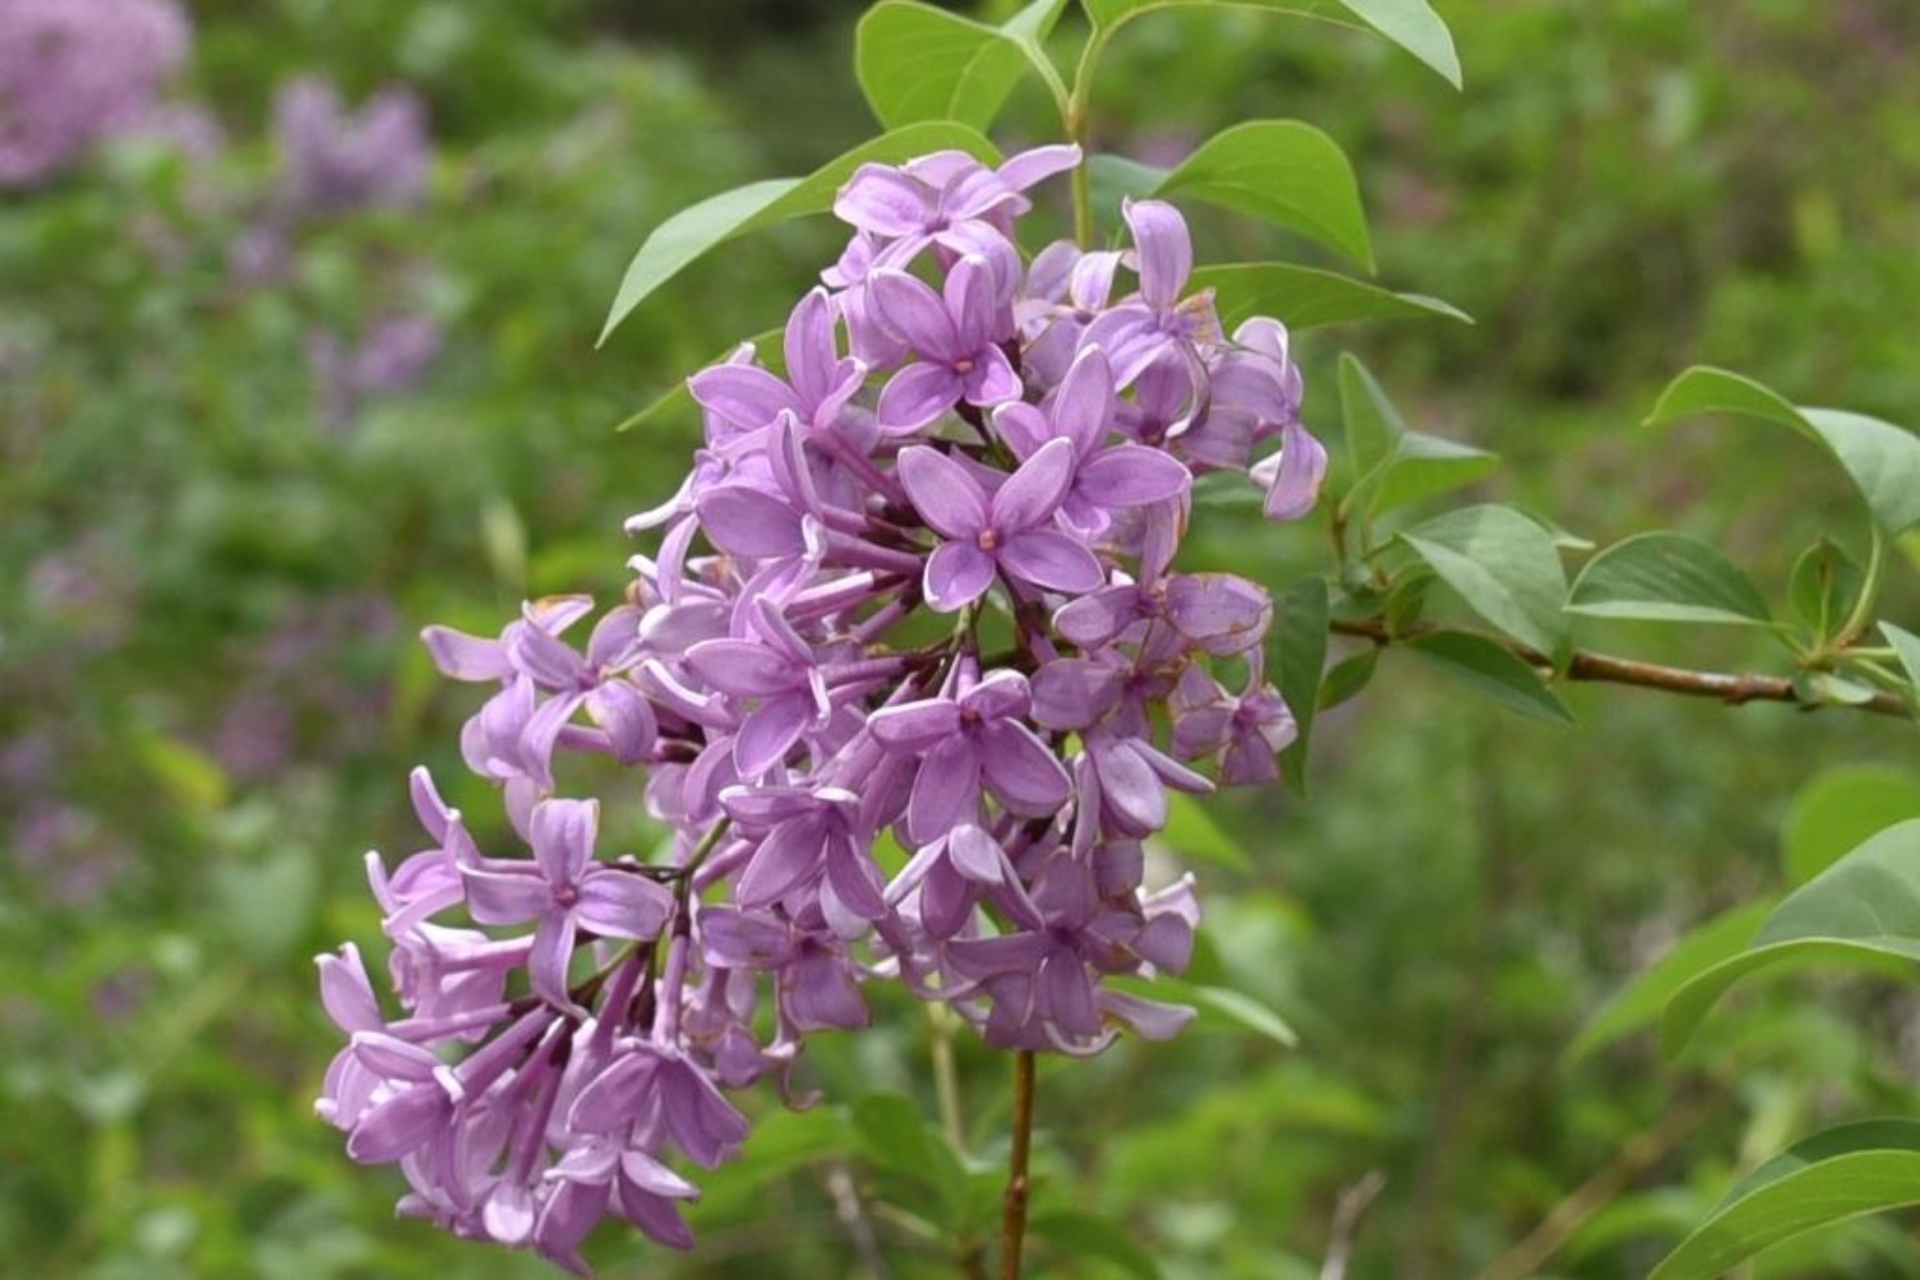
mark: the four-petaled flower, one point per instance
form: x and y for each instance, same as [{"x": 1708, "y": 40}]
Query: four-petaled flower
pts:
[
  {"x": 565, "y": 890},
  {"x": 1010, "y": 531}
]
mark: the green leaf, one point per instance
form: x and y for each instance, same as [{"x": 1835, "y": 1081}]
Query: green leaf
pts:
[
  {"x": 916, "y": 62},
  {"x": 1300, "y": 655},
  {"x": 1411, "y": 24},
  {"x": 1080, "y": 1236},
  {"x": 1825, "y": 586},
  {"x": 1907, "y": 646},
  {"x": 1303, "y": 298},
  {"x": 1667, "y": 577},
  {"x": 1348, "y": 678},
  {"x": 1504, "y": 566},
  {"x": 1882, "y": 459},
  {"x": 692, "y": 232},
  {"x": 1191, "y": 831},
  {"x": 1840, "y": 809},
  {"x": 1865, "y": 908},
  {"x": 1856, "y": 1169},
  {"x": 1415, "y": 27},
  {"x": 897, "y": 1138},
  {"x": 186, "y": 774},
  {"x": 1285, "y": 172},
  {"x": 1639, "y": 1003},
  {"x": 1480, "y": 664},
  {"x": 1218, "y": 1007},
  {"x": 1396, "y": 466},
  {"x": 1114, "y": 179},
  {"x": 268, "y": 905}
]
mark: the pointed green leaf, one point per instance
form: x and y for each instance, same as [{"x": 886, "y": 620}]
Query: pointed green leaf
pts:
[
  {"x": 1480, "y": 664},
  {"x": 916, "y": 62},
  {"x": 1285, "y": 172},
  {"x": 1882, "y": 459},
  {"x": 1304, "y": 298},
  {"x": 1396, "y": 466},
  {"x": 1114, "y": 179},
  {"x": 1667, "y": 577},
  {"x": 1348, "y": 678},
  {"x": 1217, "y": 1006},
  {"x": 1839, "y": 810},
  {"x": 1300, "y": 653},
  {"x": 1825, "y": 585},
  {"x": 1411, "y": 24},
  {"x": 1504, "y": 566},
  {"x": 692, "y": 232},
  {"x": 1639, "y": 1003},
  {"x": 1192, "y": 833},
  {"x": 1860, "y": 1168},
  {"x": 1373, "y": 423},
  {"x": 1865, "y": 908},
  {"x": 1415, "y": 27},
  {"x": 1907, "y": 646}
]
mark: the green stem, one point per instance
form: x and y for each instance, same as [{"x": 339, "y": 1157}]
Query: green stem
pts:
[
  {"x": 1078, "y": 115},
  {"x": 1862, "y": 614}
]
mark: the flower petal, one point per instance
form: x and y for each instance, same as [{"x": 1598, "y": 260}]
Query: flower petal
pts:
[
  {"x": 916, "y": 396},
  {"x": 1131, "y": 476},
  {"x": 914, "y": 726},
  {"x": 881, "y": 199},
  {"x": 947, "y": 497},
  {"x": 1033, "y": 493},
  {"x": 1025, "y": 776},
  {"x": 958, "y": 573},
  {"x": 1163, "y": 250},
  {"x": 621, "y": 904},
  {"x": 745, "y": 521},
  {"x": 745, "y": 395},
  {"x": 946, "y": 790},
  {"x": 563, "y": 835},
  {"x": 1050, "y": 560},
  {"x": 915, "y": 314}
]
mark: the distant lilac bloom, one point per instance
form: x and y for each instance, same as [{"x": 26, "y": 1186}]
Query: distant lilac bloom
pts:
[
  {"x": 1010, "y": 532},
  {"x": 72, "y": 71},
  {"x": 956, "y": 336},
  {"x": 564, "y": 890},
  {"x": 336, "y": 161}
]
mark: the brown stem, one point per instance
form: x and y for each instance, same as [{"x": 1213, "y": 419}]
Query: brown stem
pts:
[
  {"x": 1013, "y": 1223},
  {"x": 1603, "y": 668}
]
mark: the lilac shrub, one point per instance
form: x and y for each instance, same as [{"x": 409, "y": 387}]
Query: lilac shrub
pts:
[{"x": 950, "y": 432}]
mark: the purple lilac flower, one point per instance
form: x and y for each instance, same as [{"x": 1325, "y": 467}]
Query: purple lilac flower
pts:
[
  {"x": 337, "y": 161},
  {"x": 72, "y": 71},
  {"x": 976, "y": 437}
]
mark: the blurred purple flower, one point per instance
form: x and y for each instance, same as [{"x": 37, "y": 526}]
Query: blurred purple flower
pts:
[
  {"x": 72, "y": 71},
  {"x": 336, "y": 161}
]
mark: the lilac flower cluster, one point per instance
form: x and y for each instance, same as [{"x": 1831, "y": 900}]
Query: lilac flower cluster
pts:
[
  {"x": 72, "y": 71},
  {"x": 951, "y": 437}
]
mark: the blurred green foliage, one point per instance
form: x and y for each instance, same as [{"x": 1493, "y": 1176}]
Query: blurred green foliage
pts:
[{"x": 209, "y": 580}]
